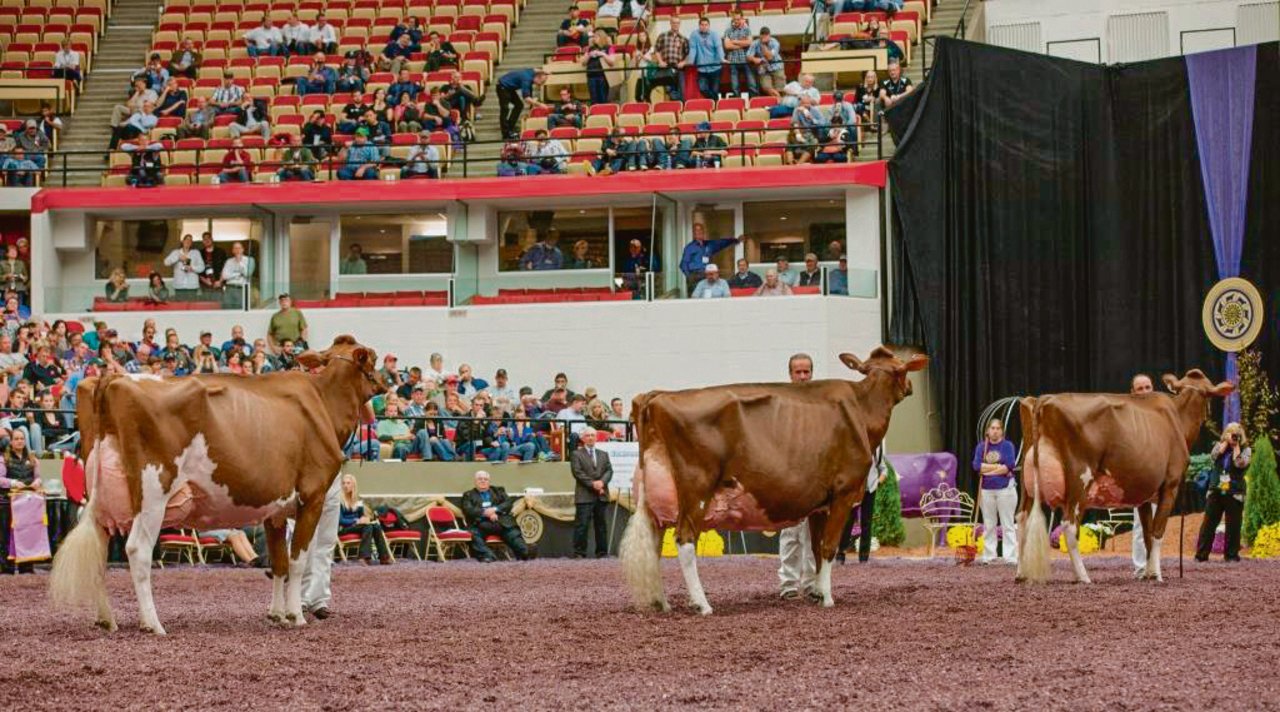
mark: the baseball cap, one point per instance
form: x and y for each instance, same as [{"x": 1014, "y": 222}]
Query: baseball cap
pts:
[
  {"x": 420, "y": 387},
  {"x": 390, "y": 357},
  {"x": 112, "y": 332},
  {"x": 451, "y": 379},
  {"x": 502, "y": 372},
  {"x": 205, "y": 333}
]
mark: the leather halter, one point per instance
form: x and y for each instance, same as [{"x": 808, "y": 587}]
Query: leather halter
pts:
[{"x": 367, "y": 376}]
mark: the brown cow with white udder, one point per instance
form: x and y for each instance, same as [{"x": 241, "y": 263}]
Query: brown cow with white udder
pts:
[
  {"x": 1103, "y": 450},
  {"x": 756, "y": 457},
  {"x": 210, "y": 451}
]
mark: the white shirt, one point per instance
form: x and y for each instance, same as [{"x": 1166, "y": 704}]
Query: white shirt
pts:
[
  {"x": 66, "y": 59},
  {"x": 236, "y": 272},
  {"x": 263, "y": 37},
  {"x": 324, "y": 34},
  {"x": 579, "y": 424},
  {"x": 185, "y": 276},
  {"x": 794, "y": 90},
  {"x": 551, "y": 148},
  {"x": 613, "y": 8},
  {"x": 296, "y": 33},
  {"x": 423, "y": 157}
]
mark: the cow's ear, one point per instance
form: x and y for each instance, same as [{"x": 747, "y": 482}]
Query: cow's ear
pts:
[
  {"x": 917, "y": 362},
  {"x": 364, "y": 356},
  {"x": 1171, "y": 382},
  {"x": 853, "y": 362},
  {"x": 1222, "y": 390},
  {"x": 311, "y": 359}
]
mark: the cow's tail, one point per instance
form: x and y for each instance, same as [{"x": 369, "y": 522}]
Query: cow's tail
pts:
[
  {"x": 79, "y": 578},
  {"x": 639, "y": 549},
  {"x": 1034, "y": 563}
]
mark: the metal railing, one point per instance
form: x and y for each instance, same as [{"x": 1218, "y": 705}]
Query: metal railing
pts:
[{"x": 495, "y": 441}]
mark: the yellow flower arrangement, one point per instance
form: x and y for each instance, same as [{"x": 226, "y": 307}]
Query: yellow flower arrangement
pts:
[
  {"x": 1088, "y": 540},
  {"x": 959, "y": 536},
  {"x": 710, "y": 543},
  {"x": 1266, "y": 544}
]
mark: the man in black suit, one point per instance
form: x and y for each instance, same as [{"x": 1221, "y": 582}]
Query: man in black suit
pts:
[
  {"x": 591, "y": 472},
  {"x": 488, "y": 511}
]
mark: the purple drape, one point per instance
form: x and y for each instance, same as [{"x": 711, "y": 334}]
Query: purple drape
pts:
[{"x": 1222, "y": 87}]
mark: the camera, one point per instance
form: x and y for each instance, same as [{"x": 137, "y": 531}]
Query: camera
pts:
[{"x": 1235, "y": 438}]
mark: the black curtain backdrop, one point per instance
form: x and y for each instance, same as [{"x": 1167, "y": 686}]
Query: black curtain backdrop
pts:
[{"x": 1052, "y": 231}]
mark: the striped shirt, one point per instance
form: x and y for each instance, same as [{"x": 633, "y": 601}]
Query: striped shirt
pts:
[{"x": 673, "y": 47}]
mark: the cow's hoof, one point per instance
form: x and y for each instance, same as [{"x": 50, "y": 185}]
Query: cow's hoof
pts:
[
  {"x": 275, "y": 617},
  {"x": 158, "y": 630},
  {"x": 828, "y": 603},
  {"x": 109, "y": 626},
  {"x": 661, "y": 606},
  {"x": 295, "y": 620},
  {"x": 704, "y": 610}
]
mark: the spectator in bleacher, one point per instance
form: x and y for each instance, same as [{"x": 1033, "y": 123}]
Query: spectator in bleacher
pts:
[
  {"x": 672, "y": 51},
  {"x": 558, "y": 391},
  {"x": 237, "y": 341},
  {"x": 66, "y": 63},
  {"x": 154, "y": 73},
  {"x": 411, "y": 27},
  {"x": 203, "y": 360},
  {"x": 403, "y": 85},
  {"x": 436, "y": 114},
  {"x": 764, "y": 55},
  {"x": 645, "y": 59},
  {"x": 320, "y": 78},
  {"x": 287, "y": 326},
  {"x": 350, "y": 77},
  {"x": 395, "y": 432},
  {"x": 468, "y": 385},
  {"x": 808, "y": 115},
  {"x": 543, "y": 254},
  {"x": 423, "y": 160},
  {"x": 835, "y": 250},
  {"x": 791, "y": 94},
  {"x": 360, "y": 159},
  {"x": 236, "y": 272},
  {"x": 265, "y": 40},
  {"x": 185, "y": 60},
  {"x": 575, "y": 422},
  {"x": 317, "y": 135},
  {"x": 773, "y": 287},
  {"x": 568, "y": 111},
  {"x": 596, "y": 58},
  {"x": 619, "y": 152},
  {"x": 354, "y": 262},
  {"x": 812, "y": 274},
  {"x": 710, "y": 286},
  {"x": 431, "y": 439},
  {"x": 121, "y": 113},
  {"x": 475, "y": 435},
  {"x": 835, "y": 142},
  {"x": 544, "y": 154},
  {"x": 12, "y": 363},
  {"x": 198, "y": 120},
  {"x": 173, "y": 100},
  {"x": 374, "y": 122},
  {"x": 49, "y": 122},
  {"x": 323, "y": 37},
  {"x": 525, "y": 438},
  {"x": 175, "y": 350},
  {"x": 880, "y": 36},
  {"x": 237, "y": 164},
  {"x": 395, "y": 54},
  {"x": 580, "y": 260},
  {"x": 187, "y": 265},
  {"x": 389, "y": 374},
  {"x": 354, "y": 518},
  {"x": 706, "y": 54},
  {"x": 896, "y": 87},
  {"x": 598, "y": 415},
  {"x": 610, "y": 8},
  {"x": 157, "y": 292},
  {"x": 865, "y": 96},
  {"x": 250, "y": 116},
  {"x": 488, "y": 512},
  {"x": 14, "y": 276},
  {"x": 214, "y": 259},
  {"x": 670, "y": 151},
  {"x": 117, "y": 287},
  {"x": 511, "y": 161},
  {"x": 440, "y": 52},
  {"x": 296, "y": 36},
  {"x": 407, "y": 114},
  {"x": 515, "y": 93},
  {"x": 297, "y": 162},
  {"x": 744, "y": 278},
  {"x": 786, "y": 274},
  {"x": 138, "y": 126},
  {"x": 737, "y": 40},
  {"x": 227, "y": 97},
  {"x": 838, "y": 278},
  {"x": 635, "y": 264},
  {"x": 575, "y": 30},
  {"x": 709, "y": 149},
  {"x": 500, "y": 388},
  {"x": 460, "y": 98},
  {"x": 697, "y": 255},
  {"x": 146, "y": 170}
]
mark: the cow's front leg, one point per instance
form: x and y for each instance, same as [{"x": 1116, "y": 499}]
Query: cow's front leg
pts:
[
  {"x": 277, "y": 549},
  {"x": 141, "y": 544},
  {"x": 304, "y": 530},
  {"x": 825, "y": 529},
  {"x": 1158, "y": 523},
  {"x": 687, "y": 530}
]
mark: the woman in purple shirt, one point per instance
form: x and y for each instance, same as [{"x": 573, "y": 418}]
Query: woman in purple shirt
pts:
[{"x": 994, "y": 460}]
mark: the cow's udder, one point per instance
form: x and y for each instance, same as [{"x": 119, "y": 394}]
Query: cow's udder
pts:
[{"x": 731, "y": 508}]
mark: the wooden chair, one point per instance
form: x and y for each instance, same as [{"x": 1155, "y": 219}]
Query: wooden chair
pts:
[
  {"x": 402, "y": 540},
  {"x": 944, "y": 507},
  {"x": 444, "y": 536}
]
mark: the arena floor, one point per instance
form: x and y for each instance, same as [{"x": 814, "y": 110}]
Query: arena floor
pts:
[{"x": 556, "y": 634}]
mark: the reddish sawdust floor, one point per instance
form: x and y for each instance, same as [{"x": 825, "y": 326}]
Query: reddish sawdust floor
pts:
[{"x": 557, "y": 635}]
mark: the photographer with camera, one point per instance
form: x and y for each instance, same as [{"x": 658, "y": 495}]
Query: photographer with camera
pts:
[
  {"x": 1226, "y": 493},
  {"x": 187, "y": 266}
]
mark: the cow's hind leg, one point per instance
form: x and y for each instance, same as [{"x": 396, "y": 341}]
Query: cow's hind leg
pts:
[
  {"x": 687, "y": 530},
  {"x": 278, "y": 551},
  {"x": 304, "y": 530},
  {"x": 1073, "y": 548},
  {"x": 142, "y": 542}
]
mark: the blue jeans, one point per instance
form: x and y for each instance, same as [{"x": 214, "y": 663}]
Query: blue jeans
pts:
[
  {"x": 239, "y": 175},
  {"x": 305, "y": 87},
  {"x": 271, "y": 51},
  {"x": 367, "y": 449},
  {"x": 348, "y": 172},
  {"x": 288, "y": 174},
  {"x": 401, "y": 449},
  {"x": 709, "y": 84},
  {"x": 781, "y": 111},
  {"x": 662, "y": 157},
  {"x": 749, "y": 83},
  {"x": 598, "y": 88},
  {"x": 440, "y": 449}
]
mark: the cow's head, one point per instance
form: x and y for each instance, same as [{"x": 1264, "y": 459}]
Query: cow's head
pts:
[
  {"x": 884, "y": 362},
  {"x": 1197, "y": 381},
  {"x": 345, "y": 349}
]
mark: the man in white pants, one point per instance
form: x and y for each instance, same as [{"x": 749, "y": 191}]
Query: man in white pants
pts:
[
  {"x": 1141, "y": 384},
  {"x": 315, "y": 579},
  {"x": 797, "y": 571}
]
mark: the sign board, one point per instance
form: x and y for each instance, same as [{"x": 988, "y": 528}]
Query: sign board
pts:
[
  {"x": 1232, "y": 314},
  {"x": 624, "y": 457}
]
